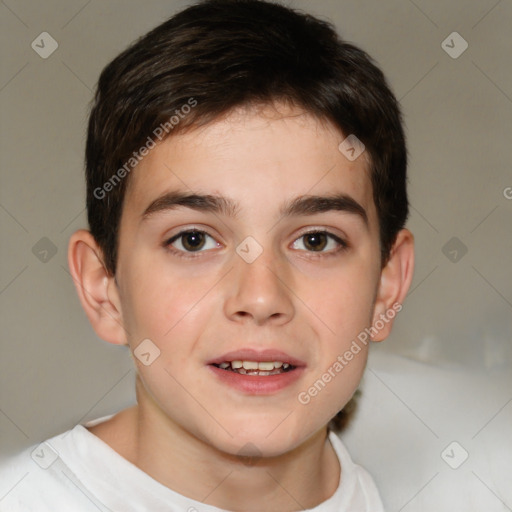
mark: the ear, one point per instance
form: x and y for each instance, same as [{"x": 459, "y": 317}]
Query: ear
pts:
[
  {"x": 97, "y": 289},
  {"x": 394, "y": 283}
]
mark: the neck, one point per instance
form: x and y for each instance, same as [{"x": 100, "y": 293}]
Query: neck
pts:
[{"x": 299, "y": 479}]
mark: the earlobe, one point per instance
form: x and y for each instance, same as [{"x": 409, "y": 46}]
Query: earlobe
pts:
[
  {"x": 395, "y": 280},
  {"x": 96, "y": 288}
]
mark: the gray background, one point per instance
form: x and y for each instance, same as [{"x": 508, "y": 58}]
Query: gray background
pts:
[{"x": 444, "y": 374}]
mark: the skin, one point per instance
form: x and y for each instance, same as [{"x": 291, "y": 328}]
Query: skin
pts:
[{"x": 311, "y": 304}]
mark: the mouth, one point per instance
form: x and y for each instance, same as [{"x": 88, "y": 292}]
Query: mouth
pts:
[
  {"x": 256, "y": 372},
  {"x": 260, "y": 368}
]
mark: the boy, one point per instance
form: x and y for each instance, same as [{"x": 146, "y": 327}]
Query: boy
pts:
[{"x": 246, "y": 195}]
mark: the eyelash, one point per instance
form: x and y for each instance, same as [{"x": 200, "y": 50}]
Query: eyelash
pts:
[{"x": 343, "y": 246}]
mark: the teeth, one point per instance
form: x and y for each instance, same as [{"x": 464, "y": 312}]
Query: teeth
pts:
[
  {"x": 243, "y": 371},
  {"x": 265, "y": 366}
]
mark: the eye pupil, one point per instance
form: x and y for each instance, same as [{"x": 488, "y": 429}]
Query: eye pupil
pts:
[
  {"x": 193, "y": 240},
  {"x": 316, "y": 241}
]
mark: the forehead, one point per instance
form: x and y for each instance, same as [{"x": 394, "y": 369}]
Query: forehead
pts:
[{"x": 259, "y": 157}]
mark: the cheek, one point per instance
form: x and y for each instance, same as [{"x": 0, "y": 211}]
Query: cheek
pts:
[
  {"x": 170, "y": 311},
  {"x": 344, "y": 304},
  {"x": 329, "y": 390},
  {"x": 160, "y": 303}
]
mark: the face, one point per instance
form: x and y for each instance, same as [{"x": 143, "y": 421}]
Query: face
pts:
[{"x": 260, "y": 270}]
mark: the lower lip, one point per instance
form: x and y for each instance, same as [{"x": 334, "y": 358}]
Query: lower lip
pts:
[{"x": 257, "y": 384}]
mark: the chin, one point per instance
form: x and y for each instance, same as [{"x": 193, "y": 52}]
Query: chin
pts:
[{"x": 269, "y": 437}]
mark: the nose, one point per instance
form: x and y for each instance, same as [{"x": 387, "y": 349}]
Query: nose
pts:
[{"x": 260, "y": 292}]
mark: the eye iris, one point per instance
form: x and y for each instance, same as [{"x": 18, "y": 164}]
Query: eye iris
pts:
[
  {"x": 193, "y": 240},
  {"x": 315, "y": 241}
]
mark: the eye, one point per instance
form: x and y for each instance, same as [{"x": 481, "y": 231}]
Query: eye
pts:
[
  {"x": 319, "y": 241},
  {"x": 192, "y": 241}
]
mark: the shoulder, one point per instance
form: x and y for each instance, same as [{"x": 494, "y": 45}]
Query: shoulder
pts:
[
  {"x": 357, "y": 490},
  {"x": 38, "y": 479}
]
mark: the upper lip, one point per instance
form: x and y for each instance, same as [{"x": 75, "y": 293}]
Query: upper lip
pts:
[{"x": 249, "y": 354}]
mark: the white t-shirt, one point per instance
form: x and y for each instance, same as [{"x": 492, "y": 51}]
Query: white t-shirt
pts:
[{"x": 76, "y": 471}]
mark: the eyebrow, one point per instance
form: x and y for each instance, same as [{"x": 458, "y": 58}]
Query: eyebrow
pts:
[{"x": 302, "y": 205}]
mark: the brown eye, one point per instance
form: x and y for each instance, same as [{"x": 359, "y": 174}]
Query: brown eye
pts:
[
  {"x": 321, "y": 242},
  {"x": 192, "y": 241},
  {"x": 315, "y": 241}
]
